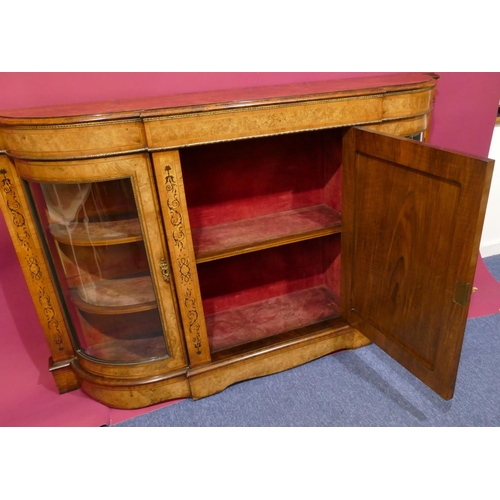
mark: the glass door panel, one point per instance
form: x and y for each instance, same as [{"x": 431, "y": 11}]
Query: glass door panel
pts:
[{"x": 95, "y": 236}]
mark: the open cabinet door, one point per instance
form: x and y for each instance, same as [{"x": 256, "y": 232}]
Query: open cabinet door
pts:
[{"x": 412, "y": 220}]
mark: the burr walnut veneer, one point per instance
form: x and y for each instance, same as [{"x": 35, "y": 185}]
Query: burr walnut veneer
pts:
[{"x": 176, "y": 245}]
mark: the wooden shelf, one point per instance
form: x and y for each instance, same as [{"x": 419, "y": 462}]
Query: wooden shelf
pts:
[
  {"x": 258, "y": 233},
  {"x": 270, "y": 317},
  {"x": 98, "y": 233},
  {"x": 115, "y": 296},
  {"x": 130, "y": 350}
]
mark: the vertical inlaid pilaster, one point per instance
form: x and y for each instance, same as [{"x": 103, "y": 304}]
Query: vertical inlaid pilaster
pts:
[
  {"x": 175, "y": 214},
  {"x": 29, "y": 251}
]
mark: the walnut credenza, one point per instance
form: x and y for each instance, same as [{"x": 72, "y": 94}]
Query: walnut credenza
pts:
[{"x": 176, "y": 245}]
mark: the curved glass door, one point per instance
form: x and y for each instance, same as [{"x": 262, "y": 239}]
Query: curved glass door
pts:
[{"x": 95, "y": 236}]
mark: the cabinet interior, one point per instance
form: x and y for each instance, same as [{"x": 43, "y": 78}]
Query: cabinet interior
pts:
[{"x": 265, "y": 217}]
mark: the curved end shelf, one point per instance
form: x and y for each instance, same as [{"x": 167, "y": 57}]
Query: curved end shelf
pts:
[
  {"x": 98, "y": 233},
  {"x": 116, "y": 296}
]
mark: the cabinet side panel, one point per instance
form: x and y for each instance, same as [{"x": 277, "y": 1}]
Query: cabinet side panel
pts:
[
  {"x": 175, "y": 215},
  {"x": 29, "y": 249}
]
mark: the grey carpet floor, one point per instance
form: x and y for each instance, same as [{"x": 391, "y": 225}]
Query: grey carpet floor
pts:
[
  {"x": 353, "y": 388},
  {"x": 357, "y": 388}
]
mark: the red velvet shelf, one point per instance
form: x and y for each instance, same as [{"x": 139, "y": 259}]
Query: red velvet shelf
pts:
[
  {"x": 270, "y": 317},
  {"x": 248, "y": 235}
]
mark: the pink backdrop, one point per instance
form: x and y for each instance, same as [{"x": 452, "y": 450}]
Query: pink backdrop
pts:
[{"x": 464, "y": 119}]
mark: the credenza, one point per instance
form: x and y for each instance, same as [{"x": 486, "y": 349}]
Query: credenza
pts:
[{"x": 176, "y": 245}]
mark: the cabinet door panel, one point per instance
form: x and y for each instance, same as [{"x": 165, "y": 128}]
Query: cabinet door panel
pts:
[
  {"x": 108, "y": 248},
  {"x": 412, "y": 220}
]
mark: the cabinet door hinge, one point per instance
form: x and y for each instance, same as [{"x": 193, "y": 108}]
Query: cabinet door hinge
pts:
[{"x": 461, "y": 293}]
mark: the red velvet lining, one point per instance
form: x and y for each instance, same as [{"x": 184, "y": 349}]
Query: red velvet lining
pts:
[
  {"x": 252, "y": 178},
  {"x": 255, "y": 177},
  {"x": 255, "y": 276}
]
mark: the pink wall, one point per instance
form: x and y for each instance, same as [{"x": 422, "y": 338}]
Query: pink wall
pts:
[
  {"x": 463, "y": 120},
  {"x": 465, "y": 111},
  {"x": 21, "y": 90}
]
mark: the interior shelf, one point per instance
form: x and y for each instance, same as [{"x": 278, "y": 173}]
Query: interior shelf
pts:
[
  {"x": 115, "y": 296},
  {"x": 265, "y": 318},
  {"x": 248, "y": 235},
  {"x": 130, "y": 350},
  {"x": 98, "y": 233}
]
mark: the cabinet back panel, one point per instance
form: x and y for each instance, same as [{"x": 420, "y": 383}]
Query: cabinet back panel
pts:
[{"x": 249, "y": 178}]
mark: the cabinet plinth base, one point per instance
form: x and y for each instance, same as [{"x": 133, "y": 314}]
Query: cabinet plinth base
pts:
[
  {"x": 133, "y": 394},
  {"x": 64, "y": 376},
  {"x": 223, "y": 372},
  {"x": 228, "y": 367}
]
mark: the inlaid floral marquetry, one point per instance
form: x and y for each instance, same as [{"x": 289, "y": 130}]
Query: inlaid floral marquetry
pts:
[
  {"x": 174, "y": 204},
  {"x": 174, "y": 208},
  {"x": 194, "y": 321},
  {"x": 37, "y": 275}
]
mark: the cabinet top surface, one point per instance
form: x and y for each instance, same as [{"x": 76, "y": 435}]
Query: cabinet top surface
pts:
[{"x": 155, "y": 106}]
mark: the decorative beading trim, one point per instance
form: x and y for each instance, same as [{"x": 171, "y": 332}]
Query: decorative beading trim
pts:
[
  {"x": 83, "y": 157},
  {"x": 73, "y": 125}
]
